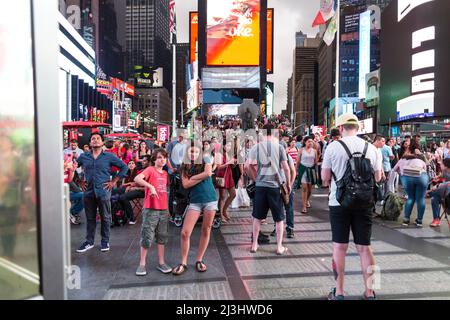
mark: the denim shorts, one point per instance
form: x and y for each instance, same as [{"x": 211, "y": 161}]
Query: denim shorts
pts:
[
  {"x": 155, "y": 226},
  {"x": 201, "y": 207}
]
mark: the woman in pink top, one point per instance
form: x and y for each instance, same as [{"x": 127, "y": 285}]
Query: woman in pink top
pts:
[{"x": 414, "y": 178}]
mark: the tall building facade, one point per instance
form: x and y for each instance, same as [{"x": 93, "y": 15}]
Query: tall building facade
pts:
[
  {"x": 182, "y": 61},
  {"x": 304, "y": 77},
  {"x": 155, "y": 105},
  {"x": 110, "y": 55},
  {"x": 148, "y": 36},
  {"x": 326, "y": 79},
  {"x": 349, "y": 52}
]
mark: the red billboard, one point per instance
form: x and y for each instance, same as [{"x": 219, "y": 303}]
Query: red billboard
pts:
[
  {"x": 233, "y": 33},
  {"x": 193, "y": 35},
  {"x": 270, "y": 28}
]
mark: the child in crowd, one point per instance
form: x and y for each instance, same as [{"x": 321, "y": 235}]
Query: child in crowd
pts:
[{"x": 155, "y": 214}]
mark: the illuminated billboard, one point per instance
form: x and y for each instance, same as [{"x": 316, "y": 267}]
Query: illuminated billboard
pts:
[
  {"x": 230, "y": 78},
  {"x": 414, "y": 59},
  {"x": 151, "y": 77},
  {"x": 364, "y": 51},
  {"x": 193, "y": 36},
  {"x": 233, "y": 32},
  {"x": 270, "y": 29},
  {"x": 223, "y": 110}
]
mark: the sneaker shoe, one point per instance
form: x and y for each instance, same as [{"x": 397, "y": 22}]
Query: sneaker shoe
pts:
[
  {"x": 85, "y": 247},
  {"x": 164, "y": 268},
  {"x": 132, "y": 222},
  {"x": 436, "y": 222},
  {"x": 418, "y": 223},
  {"x": 290, "y": 233},
  {"x": 104, "y": 247},
  {"x": 332, "y": 295},
  {"x": 405, "y": 222},
  {"x": 72, "y": 219},
  {"x": 141, "y": 271}
]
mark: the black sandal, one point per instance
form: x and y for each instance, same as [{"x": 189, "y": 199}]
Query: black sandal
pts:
[
  {"x": 181, "y": 269},
  {"x": 198, "y": 266}
]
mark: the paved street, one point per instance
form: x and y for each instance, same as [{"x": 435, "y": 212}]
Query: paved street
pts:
[{"x": 415, "y": 263}]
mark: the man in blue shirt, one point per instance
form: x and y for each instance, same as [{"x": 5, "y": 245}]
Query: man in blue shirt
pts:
[{"x": 97, "y": 169}]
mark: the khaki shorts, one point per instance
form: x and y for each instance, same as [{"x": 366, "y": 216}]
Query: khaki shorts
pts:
[{"x": 155, "y": 226}]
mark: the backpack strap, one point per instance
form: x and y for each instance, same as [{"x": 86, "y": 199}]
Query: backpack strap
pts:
[
  {"x": 346, "y": 148},
  {"x": 366, "y": 147}
]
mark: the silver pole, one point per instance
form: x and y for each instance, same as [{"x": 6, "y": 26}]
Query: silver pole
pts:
[
  {"x": 174, "y": 90},
  {"x": 182, "y": 112},
  {"x": 338, "y": 40}
]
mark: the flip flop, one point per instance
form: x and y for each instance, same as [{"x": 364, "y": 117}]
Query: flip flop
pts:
[
  {"x": 285, "y": 249},
  {"x": 181, "y": 269},
  {"x": 308, "y": 205},
  {"x": 304, "y": 211},
  {"x": 198, "y": 266}
]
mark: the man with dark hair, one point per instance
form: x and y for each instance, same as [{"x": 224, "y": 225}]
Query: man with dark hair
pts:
[
  {"x": 97, "y": 196},
  {"x": 342, "y": 220},
  {"x": 335, "y": 135},
  {"x": 73, "y": 149},
  {"x": 264, "y": 164}
]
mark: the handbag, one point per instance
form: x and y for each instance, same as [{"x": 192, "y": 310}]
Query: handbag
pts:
[
  {"x": 219, "y": 182},
  {"x": 412, "y": 171},
  {"x": 284, "y": 191}
]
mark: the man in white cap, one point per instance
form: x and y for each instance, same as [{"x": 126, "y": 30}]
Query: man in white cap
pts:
[{"x": 342, "y": 218}]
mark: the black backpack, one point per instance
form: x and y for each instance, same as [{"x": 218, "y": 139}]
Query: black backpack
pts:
[{"x": 356, "y": 190}]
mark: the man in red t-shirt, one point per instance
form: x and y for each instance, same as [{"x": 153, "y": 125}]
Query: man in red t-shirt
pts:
[{"x": 155, "y": 214}]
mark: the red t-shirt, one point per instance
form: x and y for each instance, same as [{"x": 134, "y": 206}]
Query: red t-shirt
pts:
[{"x": 160, "y": 180}]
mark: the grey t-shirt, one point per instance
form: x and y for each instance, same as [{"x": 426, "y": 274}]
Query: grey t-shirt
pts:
[{"x": 268, "y": 155}]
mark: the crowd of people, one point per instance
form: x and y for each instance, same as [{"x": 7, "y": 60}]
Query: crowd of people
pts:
[{"x": 271, "y": 166}]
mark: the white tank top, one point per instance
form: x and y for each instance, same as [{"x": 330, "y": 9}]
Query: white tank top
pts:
[{"x": 308, "y": 158}]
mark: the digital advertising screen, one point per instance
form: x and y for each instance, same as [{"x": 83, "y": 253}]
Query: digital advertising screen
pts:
[
  {"x": 415, "y": 67},
  {"x": 231, "y": 78},
  {"x": 233, "y": 32},
  {"x": 193, "y": 35},
  {"x": 270, "y": 49}
]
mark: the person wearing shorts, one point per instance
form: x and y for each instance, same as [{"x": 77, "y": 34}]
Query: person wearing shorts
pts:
[
  {"x": 344, "y": 220},
  {"x": 196, "y": 177},
  {"x": 155, "y": 214},
  {"x": 264, "y": 165}
]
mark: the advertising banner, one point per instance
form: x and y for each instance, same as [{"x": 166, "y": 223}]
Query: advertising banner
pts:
[
  {"x": 270, "y": 29},
  {"x": 230, "y": 77},
  {"x": 366, "y": 126},
  {"x": 193, "y": 36},
  {"x": 373, "y": 87},
  {"x": 148, "y": 77},
  {"x": 163, "y": 133},
  {"x": 415, "y": 64},
  {"x": 233, "y": 33},
  {"x": 364, "y": 51}
]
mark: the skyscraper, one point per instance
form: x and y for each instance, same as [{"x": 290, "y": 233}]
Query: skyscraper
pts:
[
  {"x": 148, "y": 36},
  {"x": 304, "y": 79}
]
